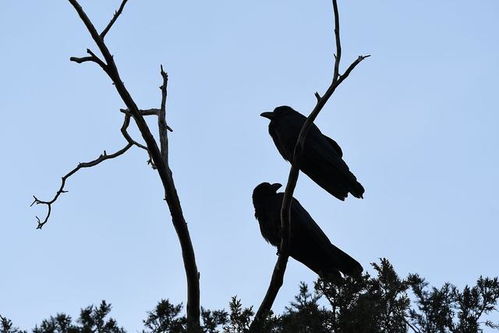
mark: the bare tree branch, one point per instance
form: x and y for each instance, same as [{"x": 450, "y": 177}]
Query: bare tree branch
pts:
[
  {"x": 145, "y": 112},
  {"x": 280, "y": 267},
  {"x": 103, "y": 157},
  {"x": 148, "y": 112},
  {"x": 350, "y": 68},
  {"x": 337, "y": 57},
  {"x": 317, "y": 96},
  {"x": 127, "y": 136},
  {"x": 162, "y": 126},
  {"x": 81, "y": 60},
  {"x": 115, "y": 17},
  {"x": 92, "y": 58},
  {"x": 171, "y": 196}
]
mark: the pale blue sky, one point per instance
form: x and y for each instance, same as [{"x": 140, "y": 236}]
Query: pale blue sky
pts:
[{"x": 417, "y": 123}]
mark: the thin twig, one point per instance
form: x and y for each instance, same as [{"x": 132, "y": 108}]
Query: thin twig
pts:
[
  {"x": 81, "y": 60},
  {"x": 350, "y": 68},
  {"x": 92, "y": 58},
  {"x": 115, "y": 17},
  {"x": 317, "y": 96},
  {"x": 162, "y": 126},
  {"x": 148, "y": 112},
  {"x": 103, "y": 157},
  {"x": 337, "y": 37},
  {"x": 279, "y": 269},
  {"x": 145, "y": 112},
  {"x": 127, "y": 136}
]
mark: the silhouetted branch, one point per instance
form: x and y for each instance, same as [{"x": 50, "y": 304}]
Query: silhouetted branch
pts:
[
  {"x": 148, "y": 112},
  {"x": 145, "y": 112},
  {"x": 171, "y": 196},
  {"x": 318, "y": 96},
  {"x": 337, "y": 38},
  {"x": 350, "y": 68},
  {"x": 280, "y": 268},
  {"x": 81, "y": 60},
  {"x": 115, "y": 17},
  {"x": 162, "y": 126},
  {"x": 103, "y": 157},
  {"x": 127, "y": 136},
  {"x": 92, "y": 58}
]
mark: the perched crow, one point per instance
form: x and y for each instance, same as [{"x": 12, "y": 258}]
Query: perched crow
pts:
[
  {"x": 321, "y": 159},
  {"x": 309, "y": 245}
]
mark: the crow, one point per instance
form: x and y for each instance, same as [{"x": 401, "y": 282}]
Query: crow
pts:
[
  {"x": 308, "y": 243},
  {"x": 321, "y": 158}
]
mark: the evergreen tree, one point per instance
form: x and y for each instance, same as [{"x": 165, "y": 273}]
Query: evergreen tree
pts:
[{"x": 368, "y": 304}]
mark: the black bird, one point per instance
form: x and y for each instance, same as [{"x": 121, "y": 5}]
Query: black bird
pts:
[
  {"x": 308, "y": 244},
  {"x": 321, "y": 158}
]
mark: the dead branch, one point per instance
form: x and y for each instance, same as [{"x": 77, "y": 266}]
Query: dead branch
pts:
[
  {"x": 115, "y": 17},
  {"x": 148, "y": 112},
  {"x": 127, "y": 136},
  {"x": 171, "y": 196},
  {"x": 280, "y": 267},
  {"x": 162, "y": 126},
  {"x": 145, "y": 112},
  {"x": 81, "y": 60},
  {"x": 103, "y": 157},
  {"x": 91, "y": 58}
]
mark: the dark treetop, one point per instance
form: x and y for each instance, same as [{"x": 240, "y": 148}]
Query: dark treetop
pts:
[
  {"x": 308, "y": 244},
  {"x": 321, "y": 158}
]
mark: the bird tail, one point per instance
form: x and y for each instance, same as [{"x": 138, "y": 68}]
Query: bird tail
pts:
[
  {"x": 343, "y": 262},
  {"x": 357, "y": 189}
]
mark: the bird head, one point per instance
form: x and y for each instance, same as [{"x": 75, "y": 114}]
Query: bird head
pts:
[
  {"x": 278, "y": 112},
  {"x": 263, "y": 196},
  {"x": 265, "y": 189}
]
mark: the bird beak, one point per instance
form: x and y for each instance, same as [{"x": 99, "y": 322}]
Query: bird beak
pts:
[
  {"x": 269, "y": 115},
  {"x": 276, "y": 186}
]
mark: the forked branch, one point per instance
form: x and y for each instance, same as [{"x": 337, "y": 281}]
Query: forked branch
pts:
[
  {"x": 149, "y": 112},
  {"x": 159, "y": 158},
  {"x": 280, "y": 267},
  {"x": 102, "y": 157},
  {"x": 115, "y": 17}
]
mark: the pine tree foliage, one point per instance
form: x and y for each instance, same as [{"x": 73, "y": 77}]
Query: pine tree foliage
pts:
[
  {"x": 6, "y": 326},
  {"x": 383, "y": 302}
]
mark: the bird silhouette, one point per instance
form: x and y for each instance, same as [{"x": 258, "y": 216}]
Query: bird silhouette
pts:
[
  {"x": 322, "y": 157},
  {"x": 308, "y": 243}
]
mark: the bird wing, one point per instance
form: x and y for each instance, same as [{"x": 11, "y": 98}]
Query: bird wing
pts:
[
  {"x": 323, "y": 148},
  {"x": 334, "y": 145},
  {"x": 322, "y": 161},
  {"x": 306, "y": 225}
]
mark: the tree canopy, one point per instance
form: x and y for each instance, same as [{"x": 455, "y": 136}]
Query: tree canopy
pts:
[{"x": 383, "y": 302}]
